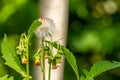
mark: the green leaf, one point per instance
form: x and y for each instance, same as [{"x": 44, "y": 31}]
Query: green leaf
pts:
[
  {"x": 6, "y": 78},
  {"x": 101, "y": 67},
  {"x": 33, "y": 27},
  {"x": 9, "y": 54},
  {"x": 71, "y": 59},
  {"x": 85, "y": 72},
  {"x": 82, "y": 78}
]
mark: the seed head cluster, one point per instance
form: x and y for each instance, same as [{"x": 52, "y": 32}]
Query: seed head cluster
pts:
[{"x": 46, "y": 29}]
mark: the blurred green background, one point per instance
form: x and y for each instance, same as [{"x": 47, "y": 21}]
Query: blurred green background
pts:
[{"x": 93, "y": 31}]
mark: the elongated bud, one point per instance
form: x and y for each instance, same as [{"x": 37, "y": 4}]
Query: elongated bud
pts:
[
  {"x": 46, "y": 52},
  {"x": 58, "y": 61},
  {"x": 54, "y": 64},
  {"x": 24, "y": 61},
  {"x": 37, "y": 61}
]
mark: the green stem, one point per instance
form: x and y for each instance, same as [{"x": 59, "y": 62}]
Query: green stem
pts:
[
  {"x": 49, "y": 74},
  {"x": 51, "y": 47},
  {"x": 43, "y": 61},
  {"x": 27, "y": 64},
  {"x": 43, "y": 67}
]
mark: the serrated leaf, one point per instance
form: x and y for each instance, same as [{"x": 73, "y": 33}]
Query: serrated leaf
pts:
[
  {"x": 33, "y": 27},
  {"x": 9, "y": 54},
  {"x": 101, "y": 67},
  {"x": 71, "y": 59},
  {"x": 6, "y": 78}
]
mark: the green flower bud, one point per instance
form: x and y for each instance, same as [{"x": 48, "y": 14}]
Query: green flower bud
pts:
[
  {"x": 37, "y": 60},
  {"x": 46, "y": 52},
  {"x": 60, "y": 51},
  {"x": 54, "y": 64},
  {"x": 58, "y": 61},
  {"x": 23, "y": 60}
]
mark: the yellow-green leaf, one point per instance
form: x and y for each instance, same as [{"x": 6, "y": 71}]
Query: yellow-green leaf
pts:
[
  {"x": 9, "y": 54},
  {"x": 6, "y": 78}
]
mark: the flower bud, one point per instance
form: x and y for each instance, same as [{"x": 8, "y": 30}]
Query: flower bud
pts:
[
  {"x": 46, "y": 52},
  {"x": 58, "y": 65},
  {"x": 54, "y": 64},
  {"x": 46, "y": 56},
  {"x": 37, "y": 61},
  {"x": 58, "y": 61},
  {"x": 24, "y": 61},
  {"x": 54, "y": 67}
]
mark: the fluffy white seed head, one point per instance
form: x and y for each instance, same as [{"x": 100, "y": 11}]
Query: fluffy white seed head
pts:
[{"x": 46, "y": 29}]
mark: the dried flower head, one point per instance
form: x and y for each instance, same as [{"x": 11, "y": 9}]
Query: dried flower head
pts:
[{"x": 46, "y": 29}]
